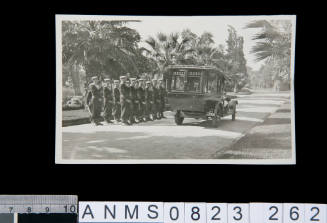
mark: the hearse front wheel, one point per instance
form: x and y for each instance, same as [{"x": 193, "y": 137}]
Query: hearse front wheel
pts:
[{"x": 178, "y": 118}]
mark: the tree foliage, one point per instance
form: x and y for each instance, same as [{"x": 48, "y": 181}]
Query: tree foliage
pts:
[
  {"x": 111, "y": 49},
  {"x": 235, "y": 56},
  {"x": 165, "y": 49},
  {"x": 188, "y": 48},
  {"x": 105, "y": 48},
  {"x": 274, "y": 45}
]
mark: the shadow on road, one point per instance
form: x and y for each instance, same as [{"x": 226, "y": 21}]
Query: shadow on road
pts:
[
  {"x": 195, "y": 139},
  {"x": 122, "y": 145},
  {"x": 270, "y": 139},
  {"x": 260, "y": 105},
  {"x": 225, "y": 125},
  {"x": 283, "y": 111}
]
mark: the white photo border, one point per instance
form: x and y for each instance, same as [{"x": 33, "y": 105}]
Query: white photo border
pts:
[{"x": 58, "y": 135}]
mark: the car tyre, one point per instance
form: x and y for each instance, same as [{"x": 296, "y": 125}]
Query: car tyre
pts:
[
  {"x": 215, "y": 122},
  {"x": 178, "y": 118}
]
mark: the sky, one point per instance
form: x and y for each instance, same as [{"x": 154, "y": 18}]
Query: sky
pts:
[{"x": 217, "y": 25}]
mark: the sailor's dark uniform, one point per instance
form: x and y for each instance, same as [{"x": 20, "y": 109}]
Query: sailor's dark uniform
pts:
[
  {"x": 148, "y": 102},
  {"x": 108, "y": 104},
  {"x": 133, "y": 104},
  {"x": 124, "y": 102},
  {"x": 141, "y": 103},
  {"x": 95, "y": 104},
  {"x": 162, "y": 96},
  {"x": 155, "y": 95},
  {"x": 116, "y": 104}
]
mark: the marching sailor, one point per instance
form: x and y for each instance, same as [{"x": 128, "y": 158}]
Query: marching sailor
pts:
[
  {"x": 108, "y": 101},
  {"x": 129, "y": 102},
  {"x": 133, "y": 105},
  {"x": 162, "y": 96},
  {"x": 95, "y": 104},
  {"x": 141, "y": 98},
  {"x": 124, "y": 98},
  {"x": 148, "y": 100},
  {"x": 116, "y": 102},
  {"x": 155, "y": 99},
  {"x": 137, "y": 101}
]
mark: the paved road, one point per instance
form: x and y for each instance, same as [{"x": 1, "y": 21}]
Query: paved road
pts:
[{"x": 162, "y": 139}]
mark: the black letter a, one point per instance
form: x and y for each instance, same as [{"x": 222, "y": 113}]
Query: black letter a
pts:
[{"x": 89, "y": 212}]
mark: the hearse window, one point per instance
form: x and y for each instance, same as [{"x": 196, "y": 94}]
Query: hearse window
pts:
[
  {"x": 213, "y": 87},
  {"x": 205, "y": 83},
  {"x": 177, "y": 83},
  {"x": 212, "y": 83},
  {"x": 193, "y": 83},
  {"x": 168, "y": 83}
]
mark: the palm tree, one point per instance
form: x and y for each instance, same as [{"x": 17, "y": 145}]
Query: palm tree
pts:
[
  {"x": 164, "y": 49},
  {"x": 205, "y": 53},
  {"x": 95, "y": 44},
  {"x": 273, "y": 44}
]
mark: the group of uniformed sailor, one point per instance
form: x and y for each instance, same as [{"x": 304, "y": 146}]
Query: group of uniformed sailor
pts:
[{"x": 127, "y": 101}]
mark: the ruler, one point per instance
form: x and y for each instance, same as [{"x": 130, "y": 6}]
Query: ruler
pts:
[{"x": 38, "y": 204}]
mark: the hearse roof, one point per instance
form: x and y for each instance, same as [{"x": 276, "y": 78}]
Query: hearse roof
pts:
[
  {"x": 196, "y": 67},
  {"x": 192, "y": 67}
]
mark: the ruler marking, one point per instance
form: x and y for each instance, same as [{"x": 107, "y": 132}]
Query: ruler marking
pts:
[{"x": 37, "y": 203}]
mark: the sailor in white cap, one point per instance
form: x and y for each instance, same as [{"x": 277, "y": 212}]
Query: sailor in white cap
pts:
[
  {"x": 107, "y": 101},
  {"x": 122, "y": 79},
  {"x": 95, "y": 102},
  {"x": 155, "y": 95},
  {"x": 137, "y": 102},
  {"x": 133, "y": 105},
  {"x": 141, "y": 98},
  {"x": 124, "y": 100},
  {"x": 162, "y": 97},
  {"x": 148, "y": 100},
  {"x": 116, "y": 102}
]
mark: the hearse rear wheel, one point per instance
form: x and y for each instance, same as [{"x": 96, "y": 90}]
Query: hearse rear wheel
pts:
[
  {"x": 216, "y": 118},
  {"x": 178, "y": 118},
  {"x": 215, "y": 121}
]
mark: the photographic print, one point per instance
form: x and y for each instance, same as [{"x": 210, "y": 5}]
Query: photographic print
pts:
[{"x": 175, "y": 89}]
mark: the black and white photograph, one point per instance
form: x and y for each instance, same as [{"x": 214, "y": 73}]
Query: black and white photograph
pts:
[{"x": 175, "y": 89}]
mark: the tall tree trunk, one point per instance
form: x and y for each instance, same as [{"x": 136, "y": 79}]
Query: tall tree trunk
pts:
[{"x": 76, "y": 79}]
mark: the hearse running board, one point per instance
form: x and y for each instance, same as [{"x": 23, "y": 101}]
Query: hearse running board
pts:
[{"x": 193, "y": 113}]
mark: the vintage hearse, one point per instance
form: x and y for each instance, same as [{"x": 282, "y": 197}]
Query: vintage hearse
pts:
[{"x": 198, "y": 92}]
